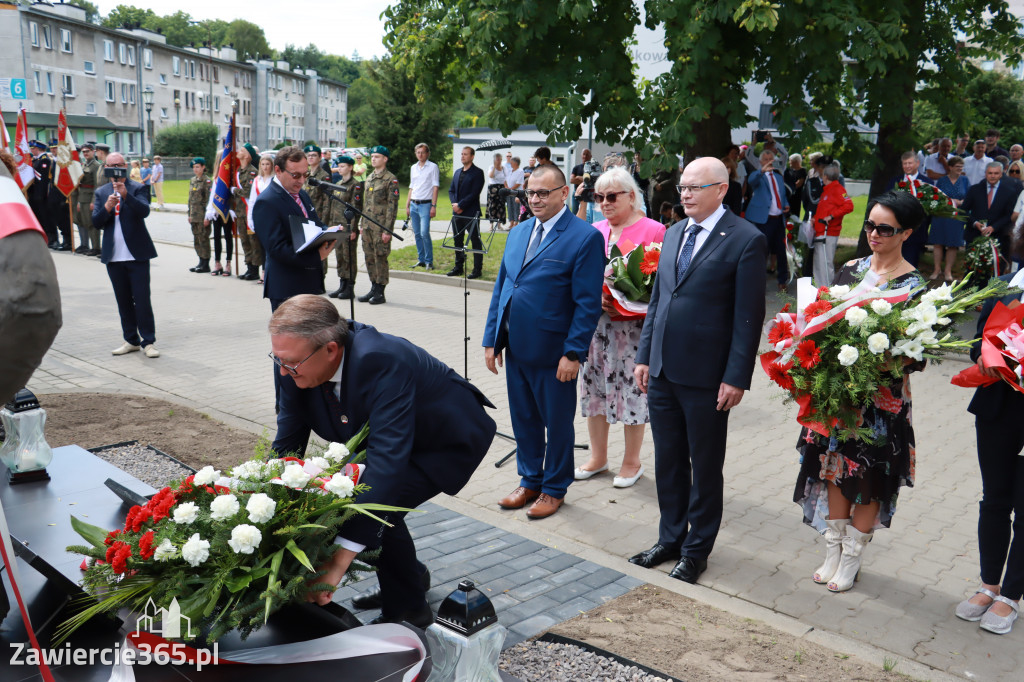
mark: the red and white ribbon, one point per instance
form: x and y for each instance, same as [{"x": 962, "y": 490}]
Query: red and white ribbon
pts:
[{"x": 15, "y": 214}]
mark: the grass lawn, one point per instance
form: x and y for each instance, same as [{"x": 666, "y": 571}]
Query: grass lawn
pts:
[
  {"x": 444, "y": 259},
  {"x": 176, "y": 191}
]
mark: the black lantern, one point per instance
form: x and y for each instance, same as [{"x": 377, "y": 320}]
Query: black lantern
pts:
[{"x": 466, "y": 638}]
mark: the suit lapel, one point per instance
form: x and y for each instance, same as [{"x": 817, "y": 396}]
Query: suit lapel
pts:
[{"x": 714, "y": 240}]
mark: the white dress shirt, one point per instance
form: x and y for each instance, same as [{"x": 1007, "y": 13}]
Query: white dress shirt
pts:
[
  {"x": 516, "y": 177},
  {"x": 707, "y": 226},
  {"x": 974, "y": 168},
  {"x": 121, "y": 251},
  {"x": 423, "y": 180}
]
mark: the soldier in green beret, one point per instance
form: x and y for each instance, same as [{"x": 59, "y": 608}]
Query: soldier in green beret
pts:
[
  {"x": 346, "y": 249},
  {"x": 251, "y": 249},
  {"x": 198, "y": 196},
  {"x": 81, "y": 200},
  {"x": 319, "y": 196},
  {"x": 380, "y": 202}
]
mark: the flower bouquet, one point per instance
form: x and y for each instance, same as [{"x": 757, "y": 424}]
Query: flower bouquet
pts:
[
  {"x": 1002, "y": 349},
  {"x": 837, "y": 352},
  {"x": 933, "y": 200},
  {"x": 629, "y": 279},
  {"x": 231, "y": 549},
  {"x": 982, "y": 257}
]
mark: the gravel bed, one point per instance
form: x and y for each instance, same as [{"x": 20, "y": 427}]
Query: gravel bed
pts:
[
  {"x": 144, "y": 464},
  {"x": 548, "y": 661}
]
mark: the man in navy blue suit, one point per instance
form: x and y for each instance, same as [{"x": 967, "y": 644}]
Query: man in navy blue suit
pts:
[
  {"x": 913, "y": 245},
  {"x": 119, "y": 209},
  {"x": 543, "y": 314},
  {"x": 464, "y": 192},
  {"x": 767, "y": 209},
  {"x": 992, "y": 200},
  {"x": 695, "y": 360},
  {"x": 428, "y": 433}
]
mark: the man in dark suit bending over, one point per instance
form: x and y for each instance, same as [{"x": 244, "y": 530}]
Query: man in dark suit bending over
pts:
[
  {"x": 428, "y": 433},
  {"x": 695, "y": 361}
]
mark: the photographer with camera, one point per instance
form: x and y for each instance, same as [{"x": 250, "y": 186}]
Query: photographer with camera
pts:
[
  {"x": 119, "y": 210},
  {"x": 828, "y": 223},
  {"x": 576, "y": 178},
  {"x": 768, "y": 145}
]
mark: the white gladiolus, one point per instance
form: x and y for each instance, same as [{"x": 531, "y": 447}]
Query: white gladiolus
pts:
[
  {"x": 856, "y": 316},
  {"x": 838, "y": 291},
  {"x": 341, "y": 485},
  {"x": 912, "y": 348},
  {"x": 878, "y": 343},
  {"x": 294, "y": 477},
  {"x": 196, "y": 550},
  {"x": 927, "y": 314},
  {"x": 336, "y": 452},
  {"x": 245, "y": 538},
  {"x": 848, "y": 355},
  {"x": 261, "y": 508},
  {"x": 881, "y": 306},
  {"x": 223, "y": 507},
  {"x": 927, "y": 338},
  {"x": 206, "y": 476},
  {"x": 186, "y": 512},
  {"x": 165, "y": 550}
]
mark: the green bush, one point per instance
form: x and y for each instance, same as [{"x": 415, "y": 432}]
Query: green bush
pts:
[{"x": 197, "y": 138}]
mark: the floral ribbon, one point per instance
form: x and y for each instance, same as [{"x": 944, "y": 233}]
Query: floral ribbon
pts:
[{"x": 1002, "y": 345}]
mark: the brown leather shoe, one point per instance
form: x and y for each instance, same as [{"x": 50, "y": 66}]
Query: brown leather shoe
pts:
[
  {"x": 544, "y": 507},
  {"x": 518, "y": 498}
]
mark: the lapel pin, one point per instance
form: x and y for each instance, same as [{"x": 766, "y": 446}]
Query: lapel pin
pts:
[
  {"x": 722, "y": 233},
  {"x": 344, "y": 419}
]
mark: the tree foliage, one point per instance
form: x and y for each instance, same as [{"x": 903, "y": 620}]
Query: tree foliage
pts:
[
  {"x": 197, "y": 138},
  {"x": 92, "y": 12},
  {"x": 330, "y": 66},
  {"x": 248, "y": 38}
]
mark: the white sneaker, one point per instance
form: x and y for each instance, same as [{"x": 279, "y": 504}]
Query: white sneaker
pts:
[
  {"x": 151, "y": 351},
  {"x": 125, "y": 349}
]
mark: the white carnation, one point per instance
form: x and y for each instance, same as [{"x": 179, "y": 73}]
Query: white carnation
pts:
[
  {"x": 196, "y": 550},
  {"x": 165, "y": 550},
  {"x": 838, "y": 291},
  {"x": 261, "y": 508},
  {"x": 245, "y": 538},
  {"x": 881, "y": 306},
  {"x": 294, "y": 477},
  {"x": 878, "y": 343},
  {"x": 336, "y": 452},
  {"x": 250, "y": 469},
  {"x": 206, "y": 476},
  {"x": 848, "y": 355},
  {"x": 912, "y": 348},
  {"x": 223, "y": 507},
  {"x": 856, "y": 316},
  {"x": 319, "y": 462},
  {"x": 341, "y": 485},
  {"x": 186, "y": 512}
]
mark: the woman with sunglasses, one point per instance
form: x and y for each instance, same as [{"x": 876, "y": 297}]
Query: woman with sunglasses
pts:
[
  {"x": 848, "y": 488},
  {"x": 608, "y": 393},
  {"x": 1016, "y": 172},
  {"x": 947, "y": 234}
]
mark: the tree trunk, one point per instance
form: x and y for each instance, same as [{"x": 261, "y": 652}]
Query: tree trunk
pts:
[{"x": 713, "y": 136}]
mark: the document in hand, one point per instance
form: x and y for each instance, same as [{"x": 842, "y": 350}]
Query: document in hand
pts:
[{"x": 309, "y": 234}]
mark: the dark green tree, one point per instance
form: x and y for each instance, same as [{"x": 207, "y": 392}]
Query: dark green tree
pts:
[
  {"x": 248, "y": 39},
  {"x": 197, "y": 138},
  {"x": 126, "y": 15},
  {"x": 92, "y": 12}
]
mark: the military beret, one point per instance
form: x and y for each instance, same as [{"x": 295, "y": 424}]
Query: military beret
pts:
[
  {"x": 198, "y": 159},
  {"x": 102, "y": 147},
  {"x": 54, "y": 142},
  {"x": 38, "y": 145},
  {"x": 311, "y": 148},
  {"x": 346, "y": 159},
  {"x": 253, "y": 154},
  {"x": 380, "y": 149}
]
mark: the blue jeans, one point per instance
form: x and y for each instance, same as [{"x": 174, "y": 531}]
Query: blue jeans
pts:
[{"x": 419, "y": 216}]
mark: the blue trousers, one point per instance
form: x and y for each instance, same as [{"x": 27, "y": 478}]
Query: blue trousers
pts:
[
  {"x": 130, "y": 280},
  {"x": 419, "y": 216},
  {"x": 539, "y": 402}
]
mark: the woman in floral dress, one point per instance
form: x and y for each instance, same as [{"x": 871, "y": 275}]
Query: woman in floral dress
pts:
[{"x": 847, "y": 488}]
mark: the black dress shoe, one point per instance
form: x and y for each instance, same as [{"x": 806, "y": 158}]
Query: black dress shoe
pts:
[
  {"x": 658, "y": 554},
  {"x": 63, "y": 247},
  {"x": 421, "y": 619},
  {"x": 688, "y": 569},
  {"x": 371, "y": 599},
  {"x": 473, "y": 275},
  {"x": 454, "y": 272}
]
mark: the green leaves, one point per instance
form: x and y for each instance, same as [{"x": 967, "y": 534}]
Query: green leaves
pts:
[{"x": 94, "y": 535}]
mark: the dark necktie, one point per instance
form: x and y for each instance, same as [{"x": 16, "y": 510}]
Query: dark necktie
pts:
[
  {"x": 687, "y": 252},
  {"x": 330, "y": 394},
  {"x": 538, "y": 235}
]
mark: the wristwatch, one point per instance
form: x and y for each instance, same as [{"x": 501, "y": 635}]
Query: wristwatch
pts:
[{"x": 573, "y": 356}]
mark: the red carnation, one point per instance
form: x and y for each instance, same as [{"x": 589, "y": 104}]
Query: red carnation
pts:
[
  {"x": 785, "y": 309},
  {"x": 782, "y": 330},
  {"x": 817, "y": 308},
  {"x": 780, "y": 375},
  {"x": 111, "y": 551},
  {"x": 111, "y": 537},
  {"x": 902, "y": 184},
  {"x": 120, "y": 562},
  {"x": 807, "y": 354},
  {"x": 186, "y": 485},
  {"x": 649, "y": 265},
  {"x": 146, "y": 545},
  {"x": 821, "y": 292}
]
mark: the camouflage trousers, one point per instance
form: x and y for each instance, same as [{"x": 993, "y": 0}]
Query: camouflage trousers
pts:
[
  {"x": 346, "y": 251},
  {"x": 201, "y": 239},
  {"x": 90, "y": 236},
  {"x": 376, "y": 253},
  {"x": 252, "y": 250}
]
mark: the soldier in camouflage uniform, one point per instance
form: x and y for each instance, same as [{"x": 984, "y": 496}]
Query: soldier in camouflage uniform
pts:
[
  {"x": 198, "y": 196},
  {"x": 81, "y": 200},
  {"x": 380, "y": 202},
  {"x": 346, "y": 249},
  {"x": 321, "y": 202},
  {"x": 251, "y": 248}
]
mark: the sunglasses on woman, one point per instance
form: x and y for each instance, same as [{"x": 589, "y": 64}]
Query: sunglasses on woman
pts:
[
  {"x": 882, "y": 230},
  {"x": 612, "y": 197}
]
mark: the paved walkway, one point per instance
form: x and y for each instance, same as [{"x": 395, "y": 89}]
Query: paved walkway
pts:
[{"x": 212, "y": 334}]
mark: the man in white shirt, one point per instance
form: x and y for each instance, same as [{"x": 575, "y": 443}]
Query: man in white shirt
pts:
[
  {"x": 936, "y": 165},
  {"x": 974, "y": 165},
  {"x": 514, "y": 180},
  {"x": 424, "y": 180},
  {"x": 157, "y": 180}
]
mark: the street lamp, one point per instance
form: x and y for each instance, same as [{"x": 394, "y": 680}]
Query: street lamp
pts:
[
  {"x": 177, "y": 111},
  {"x": 147, "y": 100},
  {"x": 285, "y": 129}
]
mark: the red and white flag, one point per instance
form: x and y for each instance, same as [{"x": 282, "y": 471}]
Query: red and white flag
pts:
[
  {"x": 69, "y": 167},
  {"x": 22, "y": 153},
  {"x": 15, "y": 214}
]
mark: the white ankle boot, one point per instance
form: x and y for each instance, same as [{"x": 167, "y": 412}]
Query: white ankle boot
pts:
[
  {"x": 849, "y": 565},
  {"x": 833, "y": 550}
]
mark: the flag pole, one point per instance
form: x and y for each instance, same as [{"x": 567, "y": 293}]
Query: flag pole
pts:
[{"x": 231, "y": 167}]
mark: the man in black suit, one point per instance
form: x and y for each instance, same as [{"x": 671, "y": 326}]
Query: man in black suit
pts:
[
  {"x": 39, "y": 191},
  {"x": 912, "y": 177},
  {"x": 428, "y": 433},
  {"x": 287, "y": 273},
  {"x": 464, "y": 192},
  {"x": 990, "y": 204},
  {"x": 119, "y": 210},
  {"x": 695, "y": 360}
]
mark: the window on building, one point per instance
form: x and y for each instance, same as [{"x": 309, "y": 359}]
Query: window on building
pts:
[
  {"x": 33, "y": 33},
  {"x": 131, "y": 142},
  {"x": 131, "y": 93},
  {"x": 147, "y": 58},
  {"x": 110, "y": 91},
  {"x": 38, "y": 78},
  {"x": 90, "y": 108},
  {"x": 216, "y": 103},
  {"x": 108, "y": 50},
  {"x": 124, "y": 93},
  {"x": 216, "y": 74},
  {"x": 67, "y": 82},
  {"x": 176, "y": 65},
  {"x": 131, "y": 55},
  {"x": 122, "y": 53},
  {"x": 192, "y": 68},
  {"x": 201, "y": 65},
  {"x": 46, "y": 38},
  {"x": 89, "y": 67},
  {"x": 163, "y": 79},
  {"x": 226, "y": 91},
  {"x": 49, "y": 83},
  {"x": 65, "y": 40},
  {"x": 237, "y": 79},
  {"x": 163, "y": 112}
]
